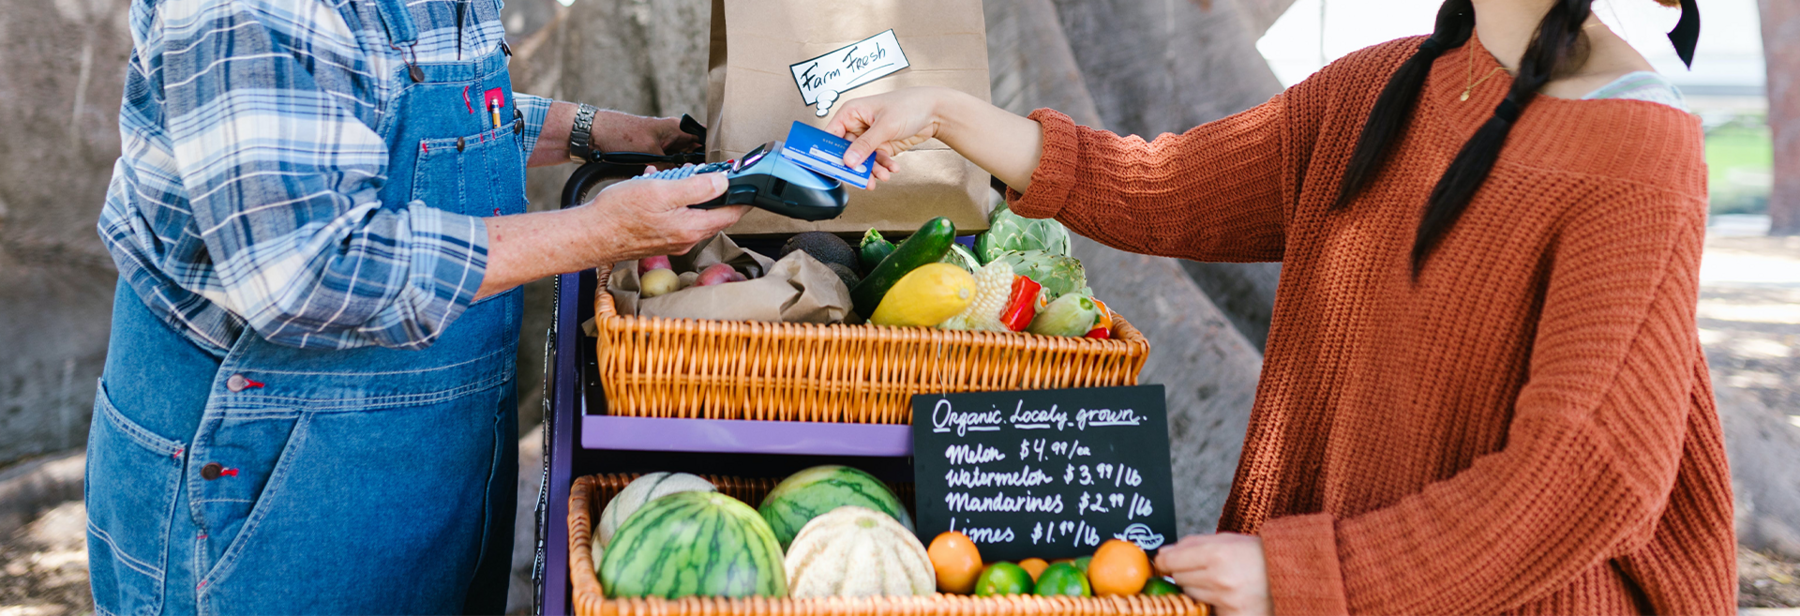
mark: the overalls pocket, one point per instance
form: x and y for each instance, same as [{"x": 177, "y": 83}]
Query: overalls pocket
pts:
[
  {"x": 133, "y": 478},
  {"x": 475, "y": 175}
]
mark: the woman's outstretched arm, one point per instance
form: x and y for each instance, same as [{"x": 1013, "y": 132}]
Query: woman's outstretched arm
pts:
[
  {"x": 1004, "y": 144},
  {"x": 1218, "y": 192}
]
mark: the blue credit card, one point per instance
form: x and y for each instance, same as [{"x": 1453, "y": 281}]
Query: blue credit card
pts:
[{"x": 823, "y": 153}]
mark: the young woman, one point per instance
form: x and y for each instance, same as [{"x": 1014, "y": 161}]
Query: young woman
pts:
[{"x": 1483, "y": 390}]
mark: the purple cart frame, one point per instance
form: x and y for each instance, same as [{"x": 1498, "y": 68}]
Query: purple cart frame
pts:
[{"x": 580, "y": 439}]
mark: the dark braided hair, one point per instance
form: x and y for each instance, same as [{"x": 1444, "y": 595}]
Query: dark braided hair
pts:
[{"x": 1556, "y": 47}]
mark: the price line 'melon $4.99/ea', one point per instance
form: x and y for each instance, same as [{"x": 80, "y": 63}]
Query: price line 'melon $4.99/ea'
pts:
[{"x": 1049, "y": 473}]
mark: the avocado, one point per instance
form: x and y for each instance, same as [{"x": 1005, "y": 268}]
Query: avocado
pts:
[
  {"x": 845, "y": 274},
  {"x": 825, "y": 247}
]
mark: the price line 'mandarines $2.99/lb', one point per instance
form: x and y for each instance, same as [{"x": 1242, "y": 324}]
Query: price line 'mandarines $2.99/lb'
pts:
[{"x": 1047, "y": 474}]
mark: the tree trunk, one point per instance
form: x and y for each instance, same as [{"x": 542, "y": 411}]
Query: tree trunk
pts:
[
  {"x": 61, "y": 74},
  {"x": 1781, "y": 52},
  {"x": 1208, "y": 369},
  {"x": 1182, "y": 66}
]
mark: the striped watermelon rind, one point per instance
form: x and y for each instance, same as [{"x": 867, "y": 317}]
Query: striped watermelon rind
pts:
[
  {"x": 644, "y": 489},
  {"x": 813, "y": 492},
  {"x": 694, "y": 544}
]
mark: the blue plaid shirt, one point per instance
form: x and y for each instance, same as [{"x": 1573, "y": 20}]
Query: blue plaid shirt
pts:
[{"x": 246, "y": 191}]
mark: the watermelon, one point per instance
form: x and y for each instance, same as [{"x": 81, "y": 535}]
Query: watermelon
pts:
[
  {"x": 642, "y": 490},
  {"x": 812, "y": 492},
  {"x": 694, "y": 544}
]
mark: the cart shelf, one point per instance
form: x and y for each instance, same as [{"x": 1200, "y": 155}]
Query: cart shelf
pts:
[{"x": 744, "y": 436}]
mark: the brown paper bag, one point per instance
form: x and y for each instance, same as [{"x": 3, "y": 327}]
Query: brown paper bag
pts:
[
  {"x": 764, "y": 50},
  {"x": 795, "y": 289}
]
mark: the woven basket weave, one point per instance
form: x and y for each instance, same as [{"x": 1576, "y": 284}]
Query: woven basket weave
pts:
[
  {"x": 685, "y": 368},
  {"x": 589, "y": 496}
]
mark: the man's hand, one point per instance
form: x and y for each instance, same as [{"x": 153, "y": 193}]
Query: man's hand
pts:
[
  {"x": 623, "y": 132},
  {"x": 628, "y": 220},
  {"x": 1226, "y": 571},
  {"x": 644, "y": 218}
]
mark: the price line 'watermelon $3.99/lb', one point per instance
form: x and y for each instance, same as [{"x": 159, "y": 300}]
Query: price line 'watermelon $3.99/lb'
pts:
[{"x": 694, "y": 544}]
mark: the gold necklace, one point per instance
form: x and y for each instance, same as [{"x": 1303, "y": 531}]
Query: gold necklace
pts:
[{"x": 1472, "y": 82}]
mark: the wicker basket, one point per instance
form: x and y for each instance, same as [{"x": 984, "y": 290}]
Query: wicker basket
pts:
[
  {"x": 590, "y": 494},
  {"x": 658, "y": 367}
]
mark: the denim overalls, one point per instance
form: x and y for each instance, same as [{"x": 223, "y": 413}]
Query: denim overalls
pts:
[{"x": 282, "y": 480}]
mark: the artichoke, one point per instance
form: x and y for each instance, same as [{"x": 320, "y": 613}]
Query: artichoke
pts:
[
  {"x": 961, "y": 257},
  {"x": 1060, "y": 275},
  {"x": 1011, "y": 232}
]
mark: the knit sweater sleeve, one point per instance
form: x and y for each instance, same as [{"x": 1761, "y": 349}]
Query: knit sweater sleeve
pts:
[
  {"x": 1591, "y": 454},
  {"x": 1213, "y": 193}
]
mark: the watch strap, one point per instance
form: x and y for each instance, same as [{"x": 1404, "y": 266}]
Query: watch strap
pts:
[{"x": 581, "y": 134}]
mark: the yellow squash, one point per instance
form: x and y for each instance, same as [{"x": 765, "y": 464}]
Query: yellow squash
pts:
[{"x": 926, "y": 296}]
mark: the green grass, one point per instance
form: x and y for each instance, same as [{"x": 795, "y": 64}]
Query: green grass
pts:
[{"x": 1739, "y": 156}]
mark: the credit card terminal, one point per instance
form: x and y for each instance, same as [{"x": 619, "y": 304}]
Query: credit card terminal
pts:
[{"x": 766, "y": 180}]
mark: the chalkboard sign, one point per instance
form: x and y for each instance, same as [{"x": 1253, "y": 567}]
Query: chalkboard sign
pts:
[{"x": 1049, "y": 473}]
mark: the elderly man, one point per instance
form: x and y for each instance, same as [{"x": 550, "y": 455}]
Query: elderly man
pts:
[{"x": 319, "y": 223}]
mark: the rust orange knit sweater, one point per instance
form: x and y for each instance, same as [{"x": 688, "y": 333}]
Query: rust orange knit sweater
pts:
[{"x": 1528, "y": 428}]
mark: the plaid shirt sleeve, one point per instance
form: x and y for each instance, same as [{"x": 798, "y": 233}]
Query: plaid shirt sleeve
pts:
[
  {"x": 536, "y": 109},
  {"x": 280, "y": 171}
]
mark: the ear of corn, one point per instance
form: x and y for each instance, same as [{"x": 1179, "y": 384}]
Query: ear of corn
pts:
[{"x": 993, "y": 287}]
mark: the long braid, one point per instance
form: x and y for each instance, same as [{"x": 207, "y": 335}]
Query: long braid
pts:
[
  {"x": 1553, "y": 48},
  {"x": 1393, "y": 109},
  {"x": 1557, "y": 41}
]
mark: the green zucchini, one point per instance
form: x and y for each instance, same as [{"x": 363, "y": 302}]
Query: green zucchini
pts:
[
  {"x": 928, "y": 245},
  {"x": 874, "y": 248}
]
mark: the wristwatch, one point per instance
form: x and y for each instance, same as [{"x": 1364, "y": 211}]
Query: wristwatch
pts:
[{"x": 581, "y": 139}]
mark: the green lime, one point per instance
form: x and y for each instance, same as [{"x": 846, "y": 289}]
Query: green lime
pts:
[
  {"x": 1063, "y": 579},
  {"x": 1079, "y": 563},
  {"x": 1157, "y": 587},
  {"x": 1003, "y": 578}
]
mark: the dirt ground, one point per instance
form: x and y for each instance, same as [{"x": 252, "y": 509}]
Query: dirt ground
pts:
[
  {"x": 1749, "y": 318},
  {"x": 1766, "y": 581},
  {"x": 45, "y": 565}
]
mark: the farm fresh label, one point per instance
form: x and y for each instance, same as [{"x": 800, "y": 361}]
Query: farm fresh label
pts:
[
  {"x": 823, "y": 78},
  {"x": 1049, "y": 473}
]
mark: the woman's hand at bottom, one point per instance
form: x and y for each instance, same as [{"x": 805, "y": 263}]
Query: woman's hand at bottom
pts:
[{"x": 1226, "y": 571}]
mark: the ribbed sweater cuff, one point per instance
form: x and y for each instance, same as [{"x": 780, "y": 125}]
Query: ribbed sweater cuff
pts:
[
  {"x": 1055, "y": 173},
  {"x": 1301, "y": 552}
]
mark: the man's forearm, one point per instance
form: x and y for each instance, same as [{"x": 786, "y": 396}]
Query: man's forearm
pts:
[
  {"x": 526, "y": 247},
  {"x": 613, "y": 131},
  {"x": 553, "y": 143},
  {"x": 626, "y": 221}
]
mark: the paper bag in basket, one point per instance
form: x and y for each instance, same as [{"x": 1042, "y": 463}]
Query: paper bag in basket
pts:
[
  {"x": 794, "y": 289},
  {"x": 776, "y": 61}
]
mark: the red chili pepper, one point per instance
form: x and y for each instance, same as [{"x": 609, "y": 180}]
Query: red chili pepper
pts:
[
  {"x": 1099, "y": 332},
  {"x": 1021, "y": 306}
]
